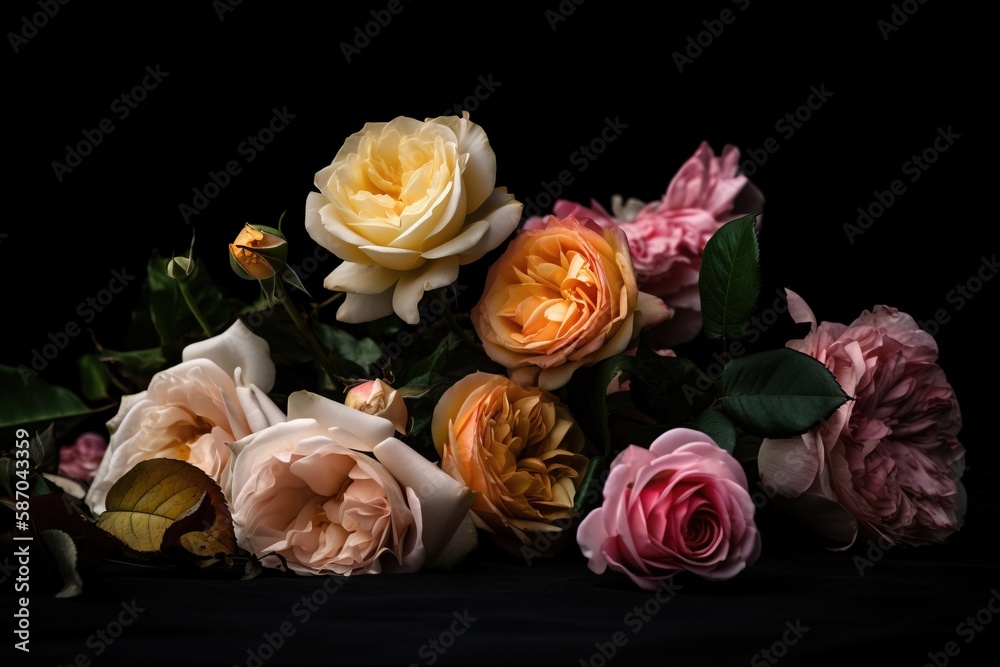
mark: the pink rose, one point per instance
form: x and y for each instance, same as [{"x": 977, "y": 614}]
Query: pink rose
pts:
[
  {"x": 887, "y": 464},
  {"x": 681, "y": 505},
  {"x": 81, "y": 459},
  {"x": 667, "y": 237}
]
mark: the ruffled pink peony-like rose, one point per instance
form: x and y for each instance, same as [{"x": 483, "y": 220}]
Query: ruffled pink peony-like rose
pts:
[
  {"x": 888, "y": 464},
  {"x": 81, "y": 459},
  {"x": 333, "y": 492},
  {"x": 667, "y": 237},
  {"x": 682, "y": 505}
]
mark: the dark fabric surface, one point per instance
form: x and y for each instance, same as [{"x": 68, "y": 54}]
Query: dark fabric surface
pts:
[{"x": 64, "y": 236}]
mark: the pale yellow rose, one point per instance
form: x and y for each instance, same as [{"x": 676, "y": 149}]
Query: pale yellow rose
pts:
[
  {"x": 563, "y": 295},
  {"x": 404, "y": 204},
  {"x": 191, "y": 411},
  {"x": 333, "y": 492},
  {"x": 518, "y": 447},
  {"x": 378, "y": 398}
]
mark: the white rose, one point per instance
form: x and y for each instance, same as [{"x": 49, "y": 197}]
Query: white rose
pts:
[
  {"x": 333, "y": 492},
  {"x": 216, "y": 395},
  {"x": 404, "y": 204}
]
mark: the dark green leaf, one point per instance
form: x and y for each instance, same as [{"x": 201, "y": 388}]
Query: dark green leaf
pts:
[
  {"x": 588, "y": 397},
  {"x": 36, "y": 401},
  {"x": 779, "y": 393},
  {"x": 584, "y": 495},
  {"x": 717, "y": 426},
  {"x": 93, "y": 379},
  {"x": 729, "y": 281},
  {"x": 169, "y": 312}
]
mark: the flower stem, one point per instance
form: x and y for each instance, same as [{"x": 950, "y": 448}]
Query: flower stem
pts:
[
  {"x": 193, "y": 307},
  {"x": 307, "y": 334}
]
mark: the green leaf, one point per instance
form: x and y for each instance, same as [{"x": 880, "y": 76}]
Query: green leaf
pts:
[
  {"x": 93, "y": 379},
  {"x": 137, "y": 365},
  {"x": 583, "y": 493},
  {"x": 63, "y": 551},
  {"x": 717, "y": 426},
  {"x": 35, "y": 401},
  {"x": 729, "y": 281},
  {"x": 589, "y": 400},
  {"x": 779, "y": 393}
]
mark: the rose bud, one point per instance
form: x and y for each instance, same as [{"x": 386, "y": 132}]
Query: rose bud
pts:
[
  {"x": 378, "y": 398},
  {"x": 258, "y": 253}
]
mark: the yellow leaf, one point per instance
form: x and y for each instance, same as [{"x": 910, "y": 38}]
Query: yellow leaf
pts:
[{"x": 162, "y": 495}]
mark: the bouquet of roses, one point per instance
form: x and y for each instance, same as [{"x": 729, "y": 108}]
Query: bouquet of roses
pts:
[{"x": 561, "y": 407}]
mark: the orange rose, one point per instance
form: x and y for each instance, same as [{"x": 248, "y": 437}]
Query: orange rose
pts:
[
  {"x": 518, "y": 447},
  {"x": 561, "y": 297}
]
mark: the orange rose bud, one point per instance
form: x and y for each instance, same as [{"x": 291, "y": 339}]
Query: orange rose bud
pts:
[{"x": 258, "y": 253}]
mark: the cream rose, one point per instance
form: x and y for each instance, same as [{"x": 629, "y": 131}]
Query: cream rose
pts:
[
  {"x": 404, "y": 204},
  {"x": 192, "y": 410},
  {"x": 333, "y": 492},
  {"x": 518, "y": 447},
  {"x": 560, "y": 297}
]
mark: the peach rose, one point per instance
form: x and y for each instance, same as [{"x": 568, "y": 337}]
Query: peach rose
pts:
[
  {"x": 518, "y": 447},
  {"x": 334, "y": 492},
  {"x": 404, "y": 204},
  {"x": 888, "y": 464},
  {"x": 561, "y": 297},
  {"x": 680, "y": 506},
  {"x": 378, "y": 398},
  {"x": 192, "y": 410}
]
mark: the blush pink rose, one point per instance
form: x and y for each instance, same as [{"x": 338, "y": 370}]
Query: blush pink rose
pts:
[
  {"x": 682, "y": 505},
  {"x": 81, "y": 459},
  {"x": 667, "y": 237},
  {"x": 888, "y": 464},
  {"x": 333, "y": 492}
]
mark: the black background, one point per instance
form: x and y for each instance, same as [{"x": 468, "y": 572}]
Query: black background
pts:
[{"x": 556, "y": 82}]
